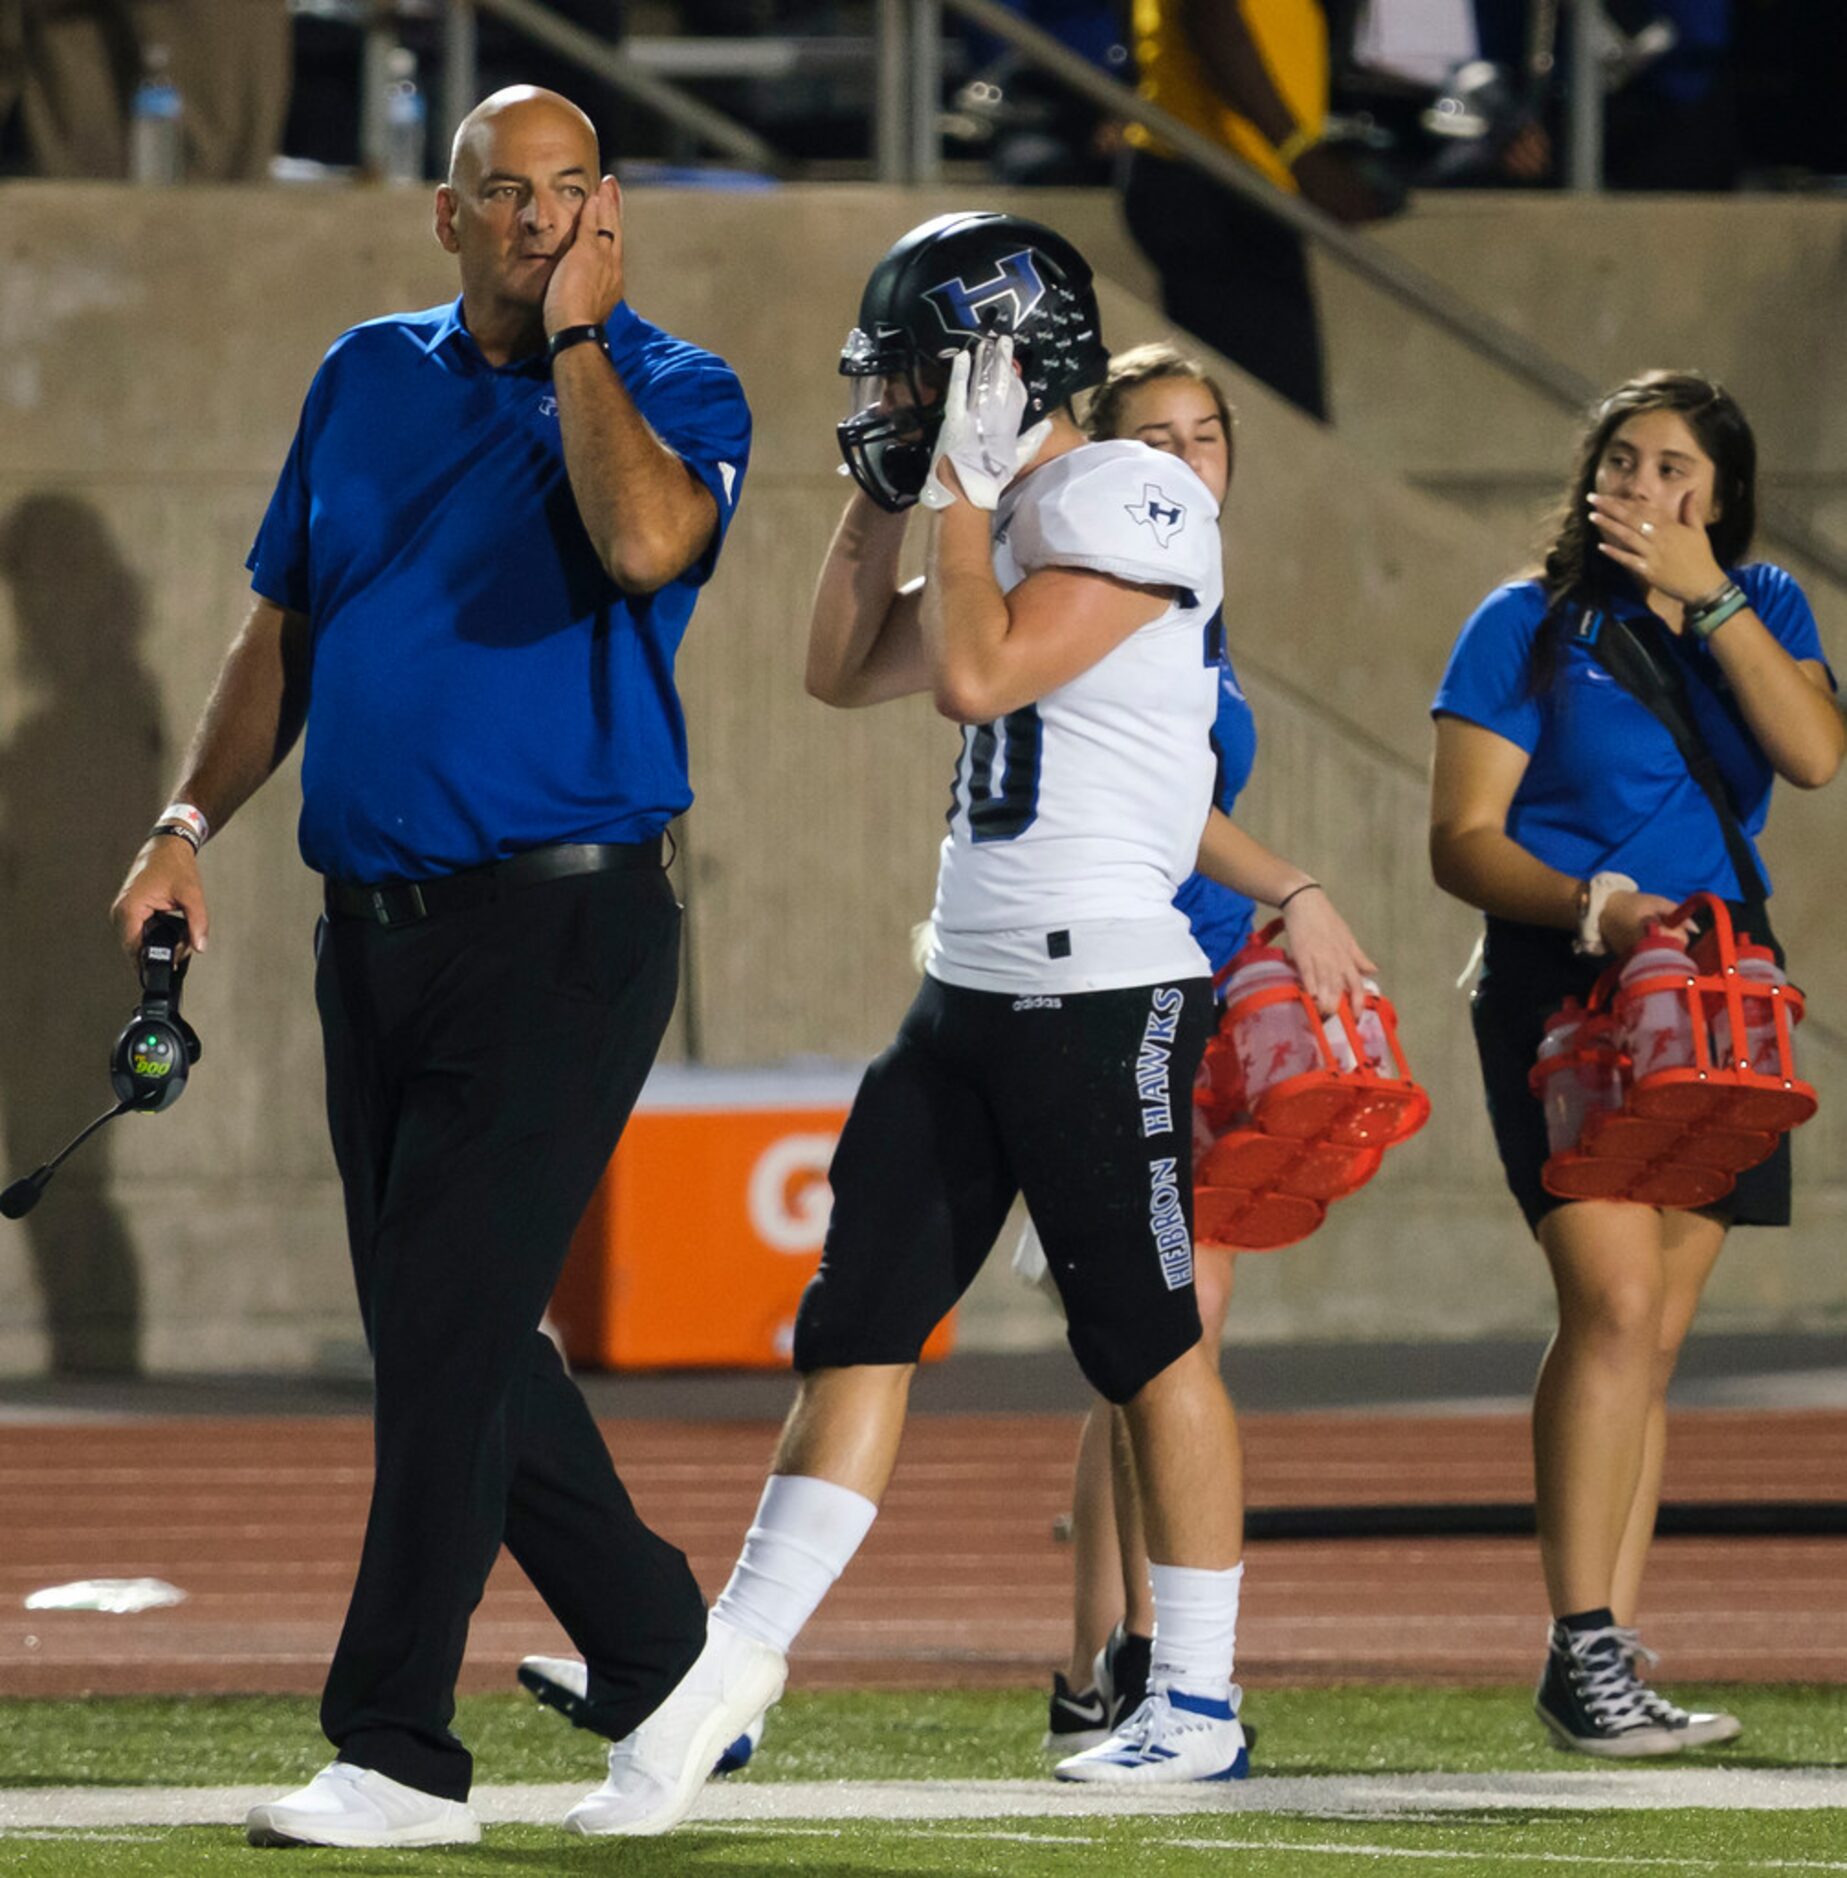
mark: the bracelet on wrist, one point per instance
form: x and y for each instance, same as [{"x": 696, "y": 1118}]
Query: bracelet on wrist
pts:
[
  {"x": 186, "y": 821},
  {"x": 1704, "y": 617},
  {"x": 1593, "y": 896},
  {"x": 1283, "y": 904},
  {"x": 1296, "y": 145},
  {"x": 568, "y": 336}
]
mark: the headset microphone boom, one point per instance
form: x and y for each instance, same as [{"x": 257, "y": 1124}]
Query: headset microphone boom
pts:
[{"x": 151, "y": 1059}]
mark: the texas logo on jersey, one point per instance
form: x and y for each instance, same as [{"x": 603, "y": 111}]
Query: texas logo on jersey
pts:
[
  {"x": 1015, "y": 284},
  {"x": 1158, "y": 512}
]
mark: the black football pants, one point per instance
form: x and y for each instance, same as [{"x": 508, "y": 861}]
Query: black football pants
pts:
[{"x": 480, "y": 1067}]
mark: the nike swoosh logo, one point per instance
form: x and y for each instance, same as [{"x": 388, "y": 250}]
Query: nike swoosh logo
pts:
[{"x": 1091, "y": 1711}]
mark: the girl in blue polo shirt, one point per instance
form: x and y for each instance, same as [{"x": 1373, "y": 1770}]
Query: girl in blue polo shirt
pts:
[{"x": 1562, "y": 807}]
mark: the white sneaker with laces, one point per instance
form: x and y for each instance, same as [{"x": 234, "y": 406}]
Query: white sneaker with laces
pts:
[
  {"x": 357, "y": 1806},
  {"x": 655, "y": 1775},
  {"x": 1173, "y": 1738}
]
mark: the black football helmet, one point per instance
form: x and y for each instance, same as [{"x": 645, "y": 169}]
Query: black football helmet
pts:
[{"x": 944, "y": 286}]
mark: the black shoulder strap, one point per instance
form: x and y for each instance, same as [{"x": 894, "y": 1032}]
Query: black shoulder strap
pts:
[{"x": 1621, "y": 651}]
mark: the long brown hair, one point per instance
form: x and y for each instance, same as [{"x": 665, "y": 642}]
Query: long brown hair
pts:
[
  {"x": 1145, "y": 365},
  {"x": 1573, "y": 573}
]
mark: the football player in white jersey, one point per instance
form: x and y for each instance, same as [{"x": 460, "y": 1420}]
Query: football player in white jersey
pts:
[
  {"x": 1069, "y": 620},
  {"x": 1159, "y": 395}
]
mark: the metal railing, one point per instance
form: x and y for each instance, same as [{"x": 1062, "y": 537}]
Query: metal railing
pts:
[
  {"x": 1420, "y": 293},
  {"x": 906, "y": 57},
  {"x": 680, "y": 108}
]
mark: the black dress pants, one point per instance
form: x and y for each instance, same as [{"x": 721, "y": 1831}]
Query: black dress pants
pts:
[
  {"x": 480, "y": 1067},
  {"x": 1232, "y": 277}
]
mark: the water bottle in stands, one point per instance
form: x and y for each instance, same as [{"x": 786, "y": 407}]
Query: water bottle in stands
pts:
[
  {"x": 155, "y": 132},
  {"x": 1756, "y": 966},
  {"x": 1564, "y": 1088},
  {"x": 1658, "y": 1027},
  {"x": 1372, "y": 1036},
  {"x": 405, "y": 115},
  {"x": 1276, "y": 1040}
]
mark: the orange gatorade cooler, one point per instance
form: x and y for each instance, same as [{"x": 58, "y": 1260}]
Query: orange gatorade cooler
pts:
[{"x": 695, "y": 1249}]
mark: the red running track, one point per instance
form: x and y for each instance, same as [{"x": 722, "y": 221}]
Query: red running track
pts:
[{"x": 962, "y": 1580}]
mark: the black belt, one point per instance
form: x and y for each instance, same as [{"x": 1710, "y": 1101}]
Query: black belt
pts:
[{"x": 404, "y": 902}]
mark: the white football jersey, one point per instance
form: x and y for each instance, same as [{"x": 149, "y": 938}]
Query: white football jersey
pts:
[{"x": 1076, "y": 818}]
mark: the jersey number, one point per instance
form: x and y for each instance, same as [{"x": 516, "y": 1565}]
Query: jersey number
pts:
[{"x": 1004, "y": 812}]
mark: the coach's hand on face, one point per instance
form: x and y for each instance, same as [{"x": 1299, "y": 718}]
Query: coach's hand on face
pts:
[{"x": 587, "y": 284}]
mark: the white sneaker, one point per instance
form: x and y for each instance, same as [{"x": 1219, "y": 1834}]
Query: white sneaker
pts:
[
  {"x": 655, "y": 1775},
  {"x": 1171, "y": 1739},
  {"x": 563, "y": 1683},
  {"x": 347, "y": 1805}
]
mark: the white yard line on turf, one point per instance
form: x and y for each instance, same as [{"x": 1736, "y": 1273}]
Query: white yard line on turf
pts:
[
  {"x": 1374, "y": 1796},
  {"x": 1730, "y": 1862}
]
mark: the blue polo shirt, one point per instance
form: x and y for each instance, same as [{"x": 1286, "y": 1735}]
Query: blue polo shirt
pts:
[
  {"x": 1605, "y": 786},
  {"x": 1221, "y": 918},
  {"x": 480, "y": 685}
]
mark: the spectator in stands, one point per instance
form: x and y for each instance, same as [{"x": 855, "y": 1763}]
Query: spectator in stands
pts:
[
  {"x": 1565, "y": 808},
  {"x": 1670, "y": 118},
  {"x": 74, "y": 66},
  {"x": 1253, "y": 76}
]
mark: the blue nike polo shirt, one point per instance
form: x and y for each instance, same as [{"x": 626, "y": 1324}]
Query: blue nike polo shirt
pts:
[
  {"x": 1606, "y": 786},
  {"x": 480, "y": 686}
]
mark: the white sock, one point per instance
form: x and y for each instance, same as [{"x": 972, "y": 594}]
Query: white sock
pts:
[
  {"x": 1195, "y": 1629},
  {"x": 805, "y": 1532}
]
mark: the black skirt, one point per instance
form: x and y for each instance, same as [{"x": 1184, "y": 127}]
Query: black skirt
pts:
[{"x": 1527, "y": 973}]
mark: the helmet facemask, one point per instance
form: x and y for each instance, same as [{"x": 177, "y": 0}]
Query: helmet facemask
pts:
[
  {"x": 890, "y": 432},
  {"x": 938, "y": 291}
]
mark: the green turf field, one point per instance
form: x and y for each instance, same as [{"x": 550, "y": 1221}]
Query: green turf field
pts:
[
  {"x": 237, "y": 1740},
  {"x": 268, "y": 1742}
]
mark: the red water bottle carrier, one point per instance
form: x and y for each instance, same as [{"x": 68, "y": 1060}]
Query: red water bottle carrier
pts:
[
  {"x": 1294, "y": 1111},
  {"x": 1691, "y": 1124}
]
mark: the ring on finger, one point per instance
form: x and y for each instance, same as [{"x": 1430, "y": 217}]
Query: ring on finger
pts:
[{"x": 1648, "y": 528}]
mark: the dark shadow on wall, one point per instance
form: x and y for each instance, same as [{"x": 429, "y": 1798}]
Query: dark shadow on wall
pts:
[{"x": 78, "y": 781}]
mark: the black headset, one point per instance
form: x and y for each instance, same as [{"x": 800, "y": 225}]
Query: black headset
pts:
[
  {"x": 151, "y": 1058},
  {"x": 157, "y": 1047}
]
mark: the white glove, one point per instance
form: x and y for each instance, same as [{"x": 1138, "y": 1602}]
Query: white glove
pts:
[{"x": 981, "y": 432}]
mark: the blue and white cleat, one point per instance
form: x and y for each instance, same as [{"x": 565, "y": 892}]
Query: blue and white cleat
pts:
[{"x": 1172, "y": 1739}]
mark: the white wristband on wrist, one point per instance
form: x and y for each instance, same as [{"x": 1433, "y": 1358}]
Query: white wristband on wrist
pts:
[
  {"x": 182, "y": 819},
  {"x": 1590, "y": 922}
]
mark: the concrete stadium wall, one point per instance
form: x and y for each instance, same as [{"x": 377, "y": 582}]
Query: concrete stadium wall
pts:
[{"x": 153, "y": 353}]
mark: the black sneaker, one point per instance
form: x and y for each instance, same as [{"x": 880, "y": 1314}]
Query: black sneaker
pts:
[
  {"x": 1697, "y": 1728},
  {"x": 1121, "y": 1671},
  {"x": 1077, "y": 1720},
  {"x": 1593, "y": 1702}
]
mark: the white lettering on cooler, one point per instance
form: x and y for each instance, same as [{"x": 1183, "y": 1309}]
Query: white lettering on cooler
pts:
[{"x": 788, "y": 1194}]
